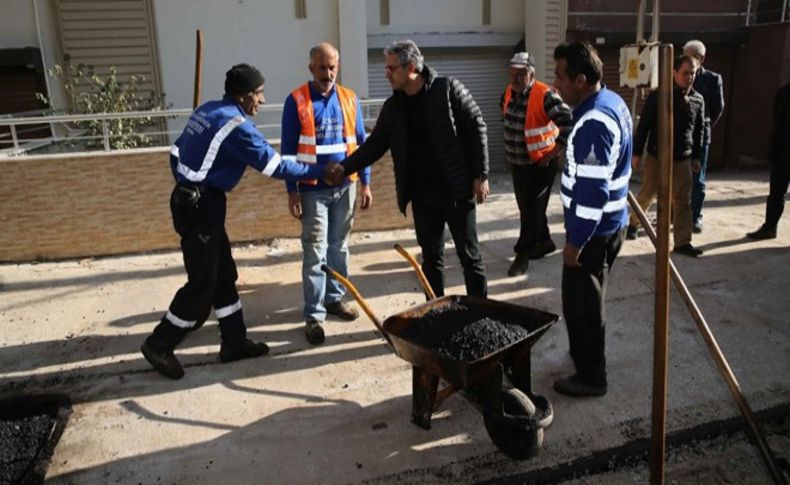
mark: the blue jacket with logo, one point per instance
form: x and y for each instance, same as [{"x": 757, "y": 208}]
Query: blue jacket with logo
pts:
[
  {"x": 218, "y": 144},
  {"x": 597, "y": 169}
]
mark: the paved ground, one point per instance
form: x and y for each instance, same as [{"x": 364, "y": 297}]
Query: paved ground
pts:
[{"x": 339, "y": 413}]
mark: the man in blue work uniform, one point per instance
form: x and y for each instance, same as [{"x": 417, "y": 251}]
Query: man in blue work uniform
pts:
[
  {"x": 594, "y": 193},
  {"x": 322, "y": 123},
  {"x": 208, "y": 160}
]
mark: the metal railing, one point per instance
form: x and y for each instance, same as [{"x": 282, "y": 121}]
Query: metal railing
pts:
[{"x": 20, "y": 146}]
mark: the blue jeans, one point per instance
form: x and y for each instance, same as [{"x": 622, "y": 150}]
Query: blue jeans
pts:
[
  {"x": 698, "y": 189},
  {"x": 327, "y": 217}
]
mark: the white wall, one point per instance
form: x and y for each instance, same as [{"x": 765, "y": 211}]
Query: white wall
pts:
[
  {"x": 17, "y": 24},
  {"x": 264, "y": 34},
  {"x": 427, "y": 16}
]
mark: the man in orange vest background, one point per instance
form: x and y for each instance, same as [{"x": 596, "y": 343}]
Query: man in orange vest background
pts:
[
  {"x": 537, "y": 123},
  {"x": 322, "y": 123}
]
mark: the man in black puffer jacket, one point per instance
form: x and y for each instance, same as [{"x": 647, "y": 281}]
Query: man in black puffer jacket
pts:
[{"x": 439, "y": 146}]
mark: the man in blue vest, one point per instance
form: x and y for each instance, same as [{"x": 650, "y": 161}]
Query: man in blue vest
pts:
[
  {"x": 208, "y": 160},
  {"x": 594, "y": 193},
  {"x": 322, "y": 123}
]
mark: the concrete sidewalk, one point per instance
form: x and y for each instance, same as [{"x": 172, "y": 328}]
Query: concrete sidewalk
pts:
[{"x": 339, "y": 413}]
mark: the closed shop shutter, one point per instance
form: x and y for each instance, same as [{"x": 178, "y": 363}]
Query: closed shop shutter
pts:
[
  {"x": 105, "y": 33},
  {"x": 556, "y": 21},
  {"x": 484, "y": 71}
]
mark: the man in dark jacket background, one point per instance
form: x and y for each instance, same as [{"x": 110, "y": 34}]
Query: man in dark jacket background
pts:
[
  {"x": 779, "y": 154},
  {"x": 437, "y": 137},
  {"x": 710, "y": 86},
  {"x": 688, "y": 114}
]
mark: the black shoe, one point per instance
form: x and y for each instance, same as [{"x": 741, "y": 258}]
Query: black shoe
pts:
[
  {"x": 520, "y": 265},
  {"x": 343, "y": 310},
  {"x": 542, "y": 248},
  {"x": 577, "y": 387},
  {"x": 688, "y": 250},
  {"x": 631, "y": 232},
  {"x": 697, "y": 227},
  {"x": 246, "y": 349},
  {"x": 313, "y": 332},
  {"x": 163, "y": 361},
  {"x": 762, "y": 233}
]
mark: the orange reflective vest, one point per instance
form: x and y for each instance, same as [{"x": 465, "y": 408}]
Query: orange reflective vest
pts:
[
  {"x": 307, "y": 151},
  {"x": 540, "y": 133}
]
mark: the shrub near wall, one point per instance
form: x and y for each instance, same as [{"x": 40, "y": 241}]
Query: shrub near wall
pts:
[{"x": 65, "y": 206}]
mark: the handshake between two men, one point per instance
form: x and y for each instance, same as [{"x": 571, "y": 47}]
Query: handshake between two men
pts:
[{"x": 334, "y": 173}]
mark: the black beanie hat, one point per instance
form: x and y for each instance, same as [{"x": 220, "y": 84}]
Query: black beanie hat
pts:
[{"x": 242, "y": 79}]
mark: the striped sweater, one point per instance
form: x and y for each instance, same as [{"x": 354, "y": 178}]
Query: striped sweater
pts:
[
  {"x": 597, "y": 169},
  {"x": 516, "y": 114}
]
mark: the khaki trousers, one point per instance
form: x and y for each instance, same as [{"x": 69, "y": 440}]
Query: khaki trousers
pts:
[{"x": 681, "y": 196}]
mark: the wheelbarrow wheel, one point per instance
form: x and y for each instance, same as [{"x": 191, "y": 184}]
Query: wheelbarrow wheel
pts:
[{"x": 508, "y": 432}]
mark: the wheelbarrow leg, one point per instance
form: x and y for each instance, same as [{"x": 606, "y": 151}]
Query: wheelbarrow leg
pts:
[
  {"x": 521, "y": 370},
  {"x": 423, "y": 396}
]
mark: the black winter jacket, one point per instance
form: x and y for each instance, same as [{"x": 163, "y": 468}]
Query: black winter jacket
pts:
[
  {"x": 688, "y": 123},
  {"x": 457, "y": 133}
]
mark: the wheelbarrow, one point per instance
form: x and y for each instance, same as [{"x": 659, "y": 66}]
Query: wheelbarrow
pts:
[{"x": 442, "y": 339}]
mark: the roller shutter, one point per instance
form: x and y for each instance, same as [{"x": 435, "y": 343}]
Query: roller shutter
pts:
[
  {"x": 484, "y": 71},
  {"x": 106, "y": 33}
]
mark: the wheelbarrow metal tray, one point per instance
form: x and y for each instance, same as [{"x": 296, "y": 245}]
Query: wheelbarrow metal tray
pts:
[{"x": 465, "y": 374}]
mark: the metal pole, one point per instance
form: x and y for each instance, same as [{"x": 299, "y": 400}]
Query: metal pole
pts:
[
  {"x": 661, "y": 329},
  {"x": 105, "y": 135},
  {"x": 654, "y": 32},
  {"x": 640, "y": 22},
  {"x": 716, "y": 353},
  {"x": 640, "y": 39},
  {"x": 14, "y": 136},
  {"x": 748, "y": 11},
  {"x": 198, "y": 68}
]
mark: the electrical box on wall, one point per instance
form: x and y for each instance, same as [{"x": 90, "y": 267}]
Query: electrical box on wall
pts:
[{"x": 639, "y": 65}]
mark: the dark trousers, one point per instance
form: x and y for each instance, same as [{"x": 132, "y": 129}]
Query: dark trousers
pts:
[
  {"x": 775, "y": 205},
  {"x": 461, "y": 218},
  {"x": 532, "y": 185},
  {"x": 583, "y": 295},
  {"x": 211, "y": 271}
]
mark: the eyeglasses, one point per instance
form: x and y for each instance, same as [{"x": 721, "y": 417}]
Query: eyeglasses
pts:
[{"x": 391, "y": 69}]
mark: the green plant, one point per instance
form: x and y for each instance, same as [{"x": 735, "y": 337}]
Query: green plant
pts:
[{"x": 89, "y": 93}]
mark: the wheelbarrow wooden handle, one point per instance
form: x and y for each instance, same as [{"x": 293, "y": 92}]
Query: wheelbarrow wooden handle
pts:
[
  {"x": 420, "y": 275},
  {"x": 357, "y": 296}
]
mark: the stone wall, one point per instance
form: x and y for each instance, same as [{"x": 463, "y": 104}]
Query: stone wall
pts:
[{"x": 67, "y": 206}]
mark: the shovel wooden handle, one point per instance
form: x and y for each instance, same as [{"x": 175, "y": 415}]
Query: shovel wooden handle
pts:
[
  {"x": 420, "y": 275},
  {"x": 357, "y": 296}
]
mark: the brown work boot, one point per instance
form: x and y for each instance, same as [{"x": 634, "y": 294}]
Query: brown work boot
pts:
[
  {"x": 246, "y": 349},
  {"x": 313, "y": 332},
  {"x": 343, "y": 310},
  {"x": 164, "y": 361}
]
